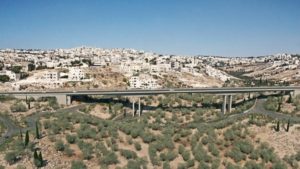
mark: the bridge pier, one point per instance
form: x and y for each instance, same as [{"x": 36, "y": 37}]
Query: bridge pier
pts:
[
  {"x": 230, "y": 103},
  {"x": 133, "y": 108},
  {"x": 296, "y": 92},
  {"x": 224, "y": 104},
  {"x": 63, "y": 99},
  {"x": 139, "y": 111}
]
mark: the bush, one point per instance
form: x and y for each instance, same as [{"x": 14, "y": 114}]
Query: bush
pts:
[
  {"x": 128, "y": 154},
  {"x": 236, "y": 154},
  {"x": 245, "y": 146},
  {"x": 59, "y": 145},
  {"x": 47, "y": 124},
  {"x": 78, "y": 165},
  {"x": 252, "y": 165},
  {"x": 166, "y": 165},
  {"x": 131, "y": 164},
  {"x": 298, "y": 156},
  {"x": 186, "y": 155},
  {"x": 147, "y": 137},
  {"x": 254, "y": 155},
  {"x": 85, "y": 131},
  {"x": 137, "y": 146},
  {"x": 279, "y": 165},
  {"x": 152, "y": 154},
  {"x": 109, "y": 159},
  {"x": 18, "y": 107},
  {"x": 11, "y": 157},
  {"x": 68, "y": 151},
  {"x": 266, "y": 153},
  {"x": 213, "y": 149},
  {"x": 71, "y": 138},
  {"x": 204, "y": 140}
]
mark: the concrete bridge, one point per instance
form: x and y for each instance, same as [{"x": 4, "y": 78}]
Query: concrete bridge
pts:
[{"x": 65, "y": 96}]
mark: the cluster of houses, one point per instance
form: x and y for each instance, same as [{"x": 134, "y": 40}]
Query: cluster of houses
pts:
[{"x": 141, "y": 68}]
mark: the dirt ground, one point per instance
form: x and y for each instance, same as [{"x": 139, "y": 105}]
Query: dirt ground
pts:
[
  {"x": 100, "y": 111},
  {"x": 284, "y": 143}
]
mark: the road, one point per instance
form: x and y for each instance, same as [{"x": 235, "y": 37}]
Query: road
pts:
[
  {"x": 259, "y": 108},
  {"x": 222, "y": 90}
]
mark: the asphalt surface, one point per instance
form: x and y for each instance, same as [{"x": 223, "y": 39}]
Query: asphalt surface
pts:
[{"x": 222, "y": 90}]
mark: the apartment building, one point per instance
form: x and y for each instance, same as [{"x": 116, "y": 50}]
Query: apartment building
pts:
[{"x": 76, "y": 74}]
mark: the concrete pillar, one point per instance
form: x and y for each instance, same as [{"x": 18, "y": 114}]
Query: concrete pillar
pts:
[
  {"x": 63, "y": 99},
  {"x": 139, "y": 107},
  {"x": 68, "y": 100},
  {"x": 133, "y": 111},
  {"x": 224, "y": 104},
  {"x": 296, "y": 92},
  {"x": 230, "y": 103}
]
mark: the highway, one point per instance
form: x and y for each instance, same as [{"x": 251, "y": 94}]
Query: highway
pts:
[{"x": 130, "y": 92}]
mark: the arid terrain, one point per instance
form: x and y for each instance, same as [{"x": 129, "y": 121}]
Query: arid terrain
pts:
[{"x": 182, "y": 131}]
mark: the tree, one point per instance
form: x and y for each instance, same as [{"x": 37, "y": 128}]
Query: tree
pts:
[
  {"x": 21, "y": 135},
  {"x": 288, "y": 126},
  {"x": 16, "y": 69},
  {"x": 37, "y": 159},
  {"x": 4, "y": 78},
  {"x": 41, "y": 158},
  {"x": 278, "y": 126},
  {"x": 35, "y": 155},
  {"x": 37, "y": 133},
  {"x": 31, "y": 67},
  {"x": 26, "y": 138}
]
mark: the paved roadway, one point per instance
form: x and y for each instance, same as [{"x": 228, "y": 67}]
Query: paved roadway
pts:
[{"x": 222, "y": 90}]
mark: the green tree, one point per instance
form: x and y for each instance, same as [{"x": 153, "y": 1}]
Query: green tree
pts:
[
  {"x": 288, "y": 126},
  {"x": 26, "y": 138},
  {"x": 41, "y": 158},
  {"x": 37, "y": 159},
  {"x": 4, "y": 78},
  {"x": 37, "y": 133},
  {"x": 31, "y": 67},
  {"x": 278, "y": 126},
  {"x": 16, "y": 69}
]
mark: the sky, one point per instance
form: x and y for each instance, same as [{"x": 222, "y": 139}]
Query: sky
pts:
[{"x": 184, "y": 27}]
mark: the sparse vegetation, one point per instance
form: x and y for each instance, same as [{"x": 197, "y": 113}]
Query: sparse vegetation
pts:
[{"x": 204, "y": 140}]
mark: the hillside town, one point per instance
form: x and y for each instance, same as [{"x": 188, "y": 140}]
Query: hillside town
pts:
[{"x": 69, "y": 68}]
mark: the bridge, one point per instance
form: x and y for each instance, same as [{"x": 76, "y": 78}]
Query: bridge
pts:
[{"x": 65, "y": 96}]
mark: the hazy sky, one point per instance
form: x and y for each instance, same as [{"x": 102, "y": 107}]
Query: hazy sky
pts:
[{"x": 217, "y": 27}]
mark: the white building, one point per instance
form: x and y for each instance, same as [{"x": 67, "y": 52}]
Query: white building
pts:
[
  {"x": 51, "y": 76},
  {"x": 143, "y": 82},
  {"x": 76, "y": 74},
  {"x": 12, "y": 75}
]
